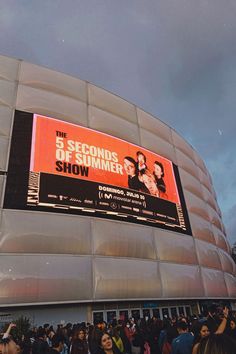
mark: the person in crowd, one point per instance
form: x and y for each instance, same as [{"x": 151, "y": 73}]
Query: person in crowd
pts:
[
  {"x": 138, "y": 341},
  {"x": 8, "y": 346},
  {"x": 212, "y": 320},
  {"x": 69, "y": 331},
  {"x": 46, "y": 327},
  {"x": 232, "y": 328},
  {"x": 8, "y": 331},
  {"x": 94, "y": 333},
  {"x": 141, "y": 161},
  {"x": 141, "y": 336},
  {"x": 129, "y": 331},
  {"x": 217, "y": 327},
  {"x": 134, "y": 182},
  {"x": 154, "y": 330},
  {"x": 57, "y": 344},
  {"x": 40, "y": 346},
  {"x": 159, "y": 175},
  {"x": 183, "y": 343},
  {"x": 106, "y": 344},
  {"x": 217, "y": 344},
  {"x": 125, "y": 340},
  {"x": 50, "y": 334},
  {"x": 215, "y": 323},
  {"x": 167, "y": 334},
  {"x": 62, "y": 331},
  {"x": 79, "y": 343},
  {"x": 26, "y": 343},
  {"x": 117, "y": 339},
  {"x": 200, "y": 331}
]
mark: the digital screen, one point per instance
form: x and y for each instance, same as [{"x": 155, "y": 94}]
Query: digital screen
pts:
[{"x": 58, "y": 166}]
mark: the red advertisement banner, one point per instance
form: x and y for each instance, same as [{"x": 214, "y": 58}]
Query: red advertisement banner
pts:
[{"x": 66, "y": 149}]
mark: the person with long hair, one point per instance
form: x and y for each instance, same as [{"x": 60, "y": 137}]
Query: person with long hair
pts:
[
  {"x": 217, "y": 344},
  {"x": 201, "y": 331},
  {"x": 79, "y": 343},
  {"x": 8, "y": 346},
  {"x": 232, "y": 328},
  {"x": 106, "y": 344},
  {"x": 159, "y": 174},
  {"x": 204, "y": 330}
]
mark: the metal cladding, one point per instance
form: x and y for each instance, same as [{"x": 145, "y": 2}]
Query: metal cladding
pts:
[{"x": 51, "y": 257}]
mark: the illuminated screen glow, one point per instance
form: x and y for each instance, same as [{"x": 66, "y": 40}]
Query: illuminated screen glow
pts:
[{"x": 72, "y": 169}]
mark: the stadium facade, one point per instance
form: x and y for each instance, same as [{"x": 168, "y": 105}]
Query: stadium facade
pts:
[{"x": 78, "y": 241}]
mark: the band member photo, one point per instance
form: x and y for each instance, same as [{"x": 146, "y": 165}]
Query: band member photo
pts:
[
  {"x": 131, "y": 169},
  {"x": 141, "y": 161},
  {"x": 149, "y": 180},
  {"x": 142, "y": 179},
  {"x": 159, "y": 175}
]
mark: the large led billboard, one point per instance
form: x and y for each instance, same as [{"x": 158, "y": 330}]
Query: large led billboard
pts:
[{"x": 58, "y": 166}]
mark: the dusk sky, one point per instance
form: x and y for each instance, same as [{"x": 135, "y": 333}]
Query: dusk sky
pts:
[{"x": 176, "y": 59}]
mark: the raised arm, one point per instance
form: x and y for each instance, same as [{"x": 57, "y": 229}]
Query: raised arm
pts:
[
  {"x": 223, "y": 323},
  {"x": 7, "y": 333}
]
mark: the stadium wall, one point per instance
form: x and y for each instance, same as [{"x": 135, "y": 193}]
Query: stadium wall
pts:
[{"x": 52, "y": 258}]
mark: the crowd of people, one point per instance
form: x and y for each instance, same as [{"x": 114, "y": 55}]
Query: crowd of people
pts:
[{"x": 214, "y": 333}]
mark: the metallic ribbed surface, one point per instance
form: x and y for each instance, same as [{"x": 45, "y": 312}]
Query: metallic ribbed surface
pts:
[{"x": 49, "y": 257}]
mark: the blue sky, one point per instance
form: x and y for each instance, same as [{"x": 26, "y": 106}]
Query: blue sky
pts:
[{"x": 175, "y": 59}]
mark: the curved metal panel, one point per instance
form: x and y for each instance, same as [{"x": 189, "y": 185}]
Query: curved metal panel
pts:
[
  {"x": 205, "y": 180},
  {"x": 35, "y": 232},
  {"x": 147, "y": 122},
  {"x": 187, "y": 164},
  {"x": 158, "y": 145},
  {"x": 190, "y": 183},
  {"x": 7, "y": 92},
  {"x": 220, "y": 238},
  {"x": 122, "y": 240},
  {"x": 26, "y": 279},
  {"x": 9, "y": 68},
  {"x": 227, "y": 262},
  {"x": 6, "y": 114},
  {"x": 73, "y": 281},
  {"x": 231, "y": 284},
  {"x": 214, "y": 283},
  {"x": 126, "y": 279},
  {"x": 179, "y": 281},
  {"x": 214, "y": 217},
  {"x": 109, "y": 102},
  {"x": 2, "y": 183},
  {"x": 183, "y": 250},
  {"x": 113, "y": 125},
  {"x": 4, "y": 143},
  {"x": 201, "y": 228},
  {"x": 209, "y": 198},
  {"x": 196, "y": 205},
  {"x": 51, "y": 104},
  {"x": 49, "y": 80},
  {"x": 121, "y": 258},
  {"x": 182, "y": 145},
  {"x": 199, "y": 162},
  {"x": 208, "y": 255}
]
